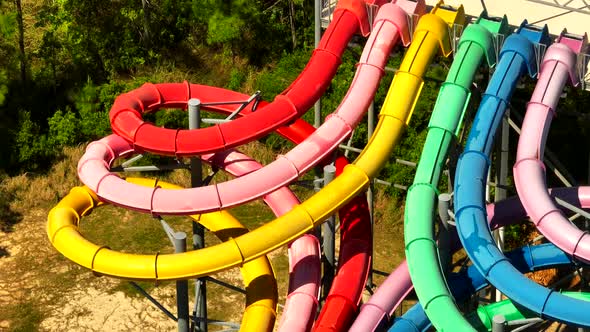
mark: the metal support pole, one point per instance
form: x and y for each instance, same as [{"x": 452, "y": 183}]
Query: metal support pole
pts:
[
  {"x": 444, "y": 235},
  {"x": 317, "y": 119},
  {"x": 181, "y": 286},
  {"x": 370, "y": 190},
  {"x": 498, "y": 323},
  {"x": 200, "y": 310},
  {"x": 328, "y": 243}
]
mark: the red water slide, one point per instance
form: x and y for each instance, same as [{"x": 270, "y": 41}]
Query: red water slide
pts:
[{"x": 349, "y": 17}]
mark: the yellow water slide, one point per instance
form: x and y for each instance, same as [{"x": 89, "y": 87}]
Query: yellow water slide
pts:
[
  {"x": 431, "y": 35},
  {"x": 258, "y": 276}
]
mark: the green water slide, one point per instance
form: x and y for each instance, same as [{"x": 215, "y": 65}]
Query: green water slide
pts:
[
  {"x": 476, "y": 43},
  {"x": 483, "y": 317}
]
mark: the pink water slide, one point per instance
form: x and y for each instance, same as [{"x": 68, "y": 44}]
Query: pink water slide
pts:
[
  {"x": 559, "y": 64},
  {"x": 398, "y": 284},
  {"x": 304, "y": 253},
  {"x": 93, "y": 167}
]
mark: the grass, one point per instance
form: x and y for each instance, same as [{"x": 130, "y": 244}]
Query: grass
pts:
[
  {"x": 32, "y": 195},
  {"x": 24, "y": 316}
]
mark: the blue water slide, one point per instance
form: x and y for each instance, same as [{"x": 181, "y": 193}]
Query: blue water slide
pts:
[
  {"x": 518, "y": 55},
  {"x": 465, "y": 283}
]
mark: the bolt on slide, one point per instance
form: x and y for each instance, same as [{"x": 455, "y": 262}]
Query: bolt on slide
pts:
[
  {"x": 559, "y": 66},
  {"x": 516, "y": 57}
]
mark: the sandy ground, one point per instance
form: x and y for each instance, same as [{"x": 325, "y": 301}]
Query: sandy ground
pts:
[{"x": 86, "y": 305}]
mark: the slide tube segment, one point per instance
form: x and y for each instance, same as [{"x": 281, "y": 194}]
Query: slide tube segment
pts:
[
  {"x": 559, "y": 67},
  {"x": 468, "y": 281},
  {"x": 356, "y": 247},
  {"x": 482, "y": 317},
  {"x": 93, "y": 167},
  {"x": 477, "y": 43},
  {"x": 304, "y": 254},
  {"x": 377, "y": 313},
  {"x": 432, "y": 32},
  {"x": 516, "y": 57},
  {"x": 304, "y": 285},
  {"x": 126, "y": 113},
  {"x": 259, "y": 279},
  {"x": 337, "y": 316}
]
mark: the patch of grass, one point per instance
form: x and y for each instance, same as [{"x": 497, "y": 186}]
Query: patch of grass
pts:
[
  {"x": 130, "y": 290},
  {"x": 24, "y": 316}
]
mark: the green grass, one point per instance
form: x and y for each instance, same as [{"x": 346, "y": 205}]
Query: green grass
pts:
[{"x": 24, "y": 316}]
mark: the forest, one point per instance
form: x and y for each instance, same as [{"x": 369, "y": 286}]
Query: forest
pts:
[{"x": 63, "y": 63}]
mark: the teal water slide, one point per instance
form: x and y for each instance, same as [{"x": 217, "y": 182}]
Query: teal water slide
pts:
[{"x": 476, "y": 43}]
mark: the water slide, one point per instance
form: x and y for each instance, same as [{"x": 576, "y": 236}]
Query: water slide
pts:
[
  {"x": 525, "y": 259},
  {"x": 93, "y": 167},
  {"x": 301, "y": 218},
  {"x": 559, "y": 66},
  {"x": 475, "y": 44},
  {"x": 258, "y": 276},
  {"x": 482, "y": 317},
  {"x": 375, "y": 57},
  {"x": 427, "y": 275},
  {"x": 112, "y": 138},
  {"x": 516, "y": 57},
  {"x": 126, "y": 114},
  {"x": 465, "y": 283},
  {"x": 379, "y": 41}
]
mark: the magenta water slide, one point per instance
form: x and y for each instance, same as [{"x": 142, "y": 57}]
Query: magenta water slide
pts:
[{"x": 559, "y": 66}]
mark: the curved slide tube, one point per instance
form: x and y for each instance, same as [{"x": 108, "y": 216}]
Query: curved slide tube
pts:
[
  {"x": 126, "y": 120},
  {"x": 499, "y": 214},
  {"x": 431, "y": 33},
  {"x": 465, "y": 283},
  {"x": 391, "y": 21},
  {"x": 303, "y": 253},
  {"x": 304, "y": 285},
  {"x": 483, "y": 316},
  {"x": 259, "y": 279},
  {"x": 377, "y": 312},
  {"x": 559, "y": 64},
  {"x": 516, "y": 56},
  {"x": 477, "y": 43},
  {"x": 356, "y": 247}
]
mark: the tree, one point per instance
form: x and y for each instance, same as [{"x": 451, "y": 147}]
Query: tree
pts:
[{"x": 21, "y": 41}]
